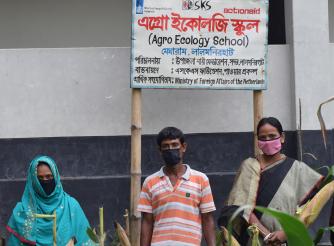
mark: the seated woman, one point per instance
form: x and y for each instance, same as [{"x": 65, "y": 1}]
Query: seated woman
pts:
[
  {"x": 270, "y": 180},
  {"x": 44, "y": 194}
]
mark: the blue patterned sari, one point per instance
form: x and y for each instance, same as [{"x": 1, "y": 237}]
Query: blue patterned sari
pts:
[{"x": 26, "y": 229}]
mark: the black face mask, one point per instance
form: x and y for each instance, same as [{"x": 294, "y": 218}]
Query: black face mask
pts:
[
  {"x": 171, "y": 156},
  {"x": 48, "y": 185}
]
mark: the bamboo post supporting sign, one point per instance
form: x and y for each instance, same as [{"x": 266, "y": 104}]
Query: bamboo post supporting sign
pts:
[
  {"x": 258, "y": 114},
  {"x": 135, "y": 216},
  {"x": 194, "y": 44}
]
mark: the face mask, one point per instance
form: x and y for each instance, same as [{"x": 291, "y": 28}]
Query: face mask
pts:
[
  {"x": 48, "y": 185},
  {"x": 270, "y": 147},
  {"x": 171, "y": 156}
]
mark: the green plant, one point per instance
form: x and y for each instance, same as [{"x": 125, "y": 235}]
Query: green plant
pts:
[
  {"x": 121, "y": 234},
  {"x": 101, "y": 236},
  {"x": 219, "y": 238},
  {"x": 120, "y": 237},
  {"x": 296, "y": 232},
  {"x": 253, "y": 232},
  {"x": 294, "y": 229}
]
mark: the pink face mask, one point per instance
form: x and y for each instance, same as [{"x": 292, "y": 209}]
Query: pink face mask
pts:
[{"x": 270, "y": 147}]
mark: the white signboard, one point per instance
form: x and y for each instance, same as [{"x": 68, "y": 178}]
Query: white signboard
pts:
[{"x": 209, "y": 44}]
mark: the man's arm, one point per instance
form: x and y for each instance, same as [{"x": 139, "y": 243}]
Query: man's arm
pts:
[
  {"x": 208, "y": 225},
  {"x": 146, "y": 229}
]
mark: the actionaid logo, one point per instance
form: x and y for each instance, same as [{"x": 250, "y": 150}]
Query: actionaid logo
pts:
[{"x": 196, "y": 5}]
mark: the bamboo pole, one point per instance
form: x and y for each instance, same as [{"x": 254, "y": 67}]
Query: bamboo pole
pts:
[
  {"x": 101, "y": 234},
  {"x": 54, "y": 228},
  {"x": 135, "y": 216},
  {"x": 101, "y": 220},
  {"x": 127, "y": 222},
  {"x": 299, "y": 134},
  {"x": 258, "y": 114}
]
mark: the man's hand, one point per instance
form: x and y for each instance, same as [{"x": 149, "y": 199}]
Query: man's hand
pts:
[{"x": 70, "y": 243}]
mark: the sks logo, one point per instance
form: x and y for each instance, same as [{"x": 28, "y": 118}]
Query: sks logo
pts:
[{"x": 196, "y": 4}]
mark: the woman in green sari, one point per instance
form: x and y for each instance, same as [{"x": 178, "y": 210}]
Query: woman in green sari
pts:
[{"x": 44, "y": 194}]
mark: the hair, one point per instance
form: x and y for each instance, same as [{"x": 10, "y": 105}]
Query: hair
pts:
[
  {"x": 271, "y": 121},
  {"x": 40, "y": 163},
  {"x": 170, "y": 132}
]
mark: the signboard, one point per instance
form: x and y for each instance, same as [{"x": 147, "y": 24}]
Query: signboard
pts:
[{"x": 209, "y": 44}]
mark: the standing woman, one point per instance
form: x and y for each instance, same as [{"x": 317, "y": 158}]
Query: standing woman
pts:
[
  {"x": 271, "y": 180},
  {"x": 44, "y": 194}
]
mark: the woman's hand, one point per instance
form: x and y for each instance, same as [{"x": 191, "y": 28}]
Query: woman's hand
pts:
[
  {"x": 276, "y": 238},
  {"x": 70, "y": 243}
]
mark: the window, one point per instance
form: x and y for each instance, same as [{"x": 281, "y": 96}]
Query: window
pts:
[
  {"x": 331, "y": 20},
  {"x": 276, "y": 26}
]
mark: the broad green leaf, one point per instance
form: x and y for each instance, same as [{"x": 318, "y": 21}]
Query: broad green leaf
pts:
[
  {"x": 294, "y": 229},
  {"x": 320, "y": 233},
  {"x": 92, "y": 235}
]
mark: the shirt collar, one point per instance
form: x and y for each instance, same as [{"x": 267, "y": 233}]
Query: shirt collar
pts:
[{"x": 185, "y": 176}]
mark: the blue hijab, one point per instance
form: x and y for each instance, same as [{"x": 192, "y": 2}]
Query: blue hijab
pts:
[{"x": 26, "y": 228}]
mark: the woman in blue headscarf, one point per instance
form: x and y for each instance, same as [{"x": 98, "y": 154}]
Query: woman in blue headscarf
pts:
[{"x": 44, "y": 194}]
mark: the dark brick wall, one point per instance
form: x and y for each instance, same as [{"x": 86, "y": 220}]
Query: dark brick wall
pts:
[{"x": 96, "y": 169}]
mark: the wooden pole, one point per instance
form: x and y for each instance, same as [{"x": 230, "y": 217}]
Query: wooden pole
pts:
[
  {"x": 55, "y": 228},
  {"x": 299, "y": 134},
  {"x": 135, "y": 216},
  {"x": 127, "y": 222},
  {"x": 258, "y": 114},
  {"x": 101, "y": 234}
]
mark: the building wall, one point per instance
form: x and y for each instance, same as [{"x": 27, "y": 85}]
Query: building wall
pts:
[
  {"x": 85, "y": 92},
  {"x": 95, "y": 170},
  {"x": 300, "y": 69},
  {"x": 64, "y": 23},
  {"x": 312, "y": 60}
]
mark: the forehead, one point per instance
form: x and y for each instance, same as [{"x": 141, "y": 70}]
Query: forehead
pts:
[
  {"x": 171, "y": 141},
  {"x": 43, "y": 169},
  {"x": 267, "y": 129}
]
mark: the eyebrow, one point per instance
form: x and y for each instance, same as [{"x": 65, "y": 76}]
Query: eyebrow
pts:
[{"x": 46, "y": 175}]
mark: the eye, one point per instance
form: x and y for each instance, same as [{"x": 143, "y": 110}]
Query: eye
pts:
[
  {"x": 268, "y": 137},
  {"x": 164, "y": 147},
  {"x": 176, "y": 146},
  {"x": 49, "y": 176}
]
